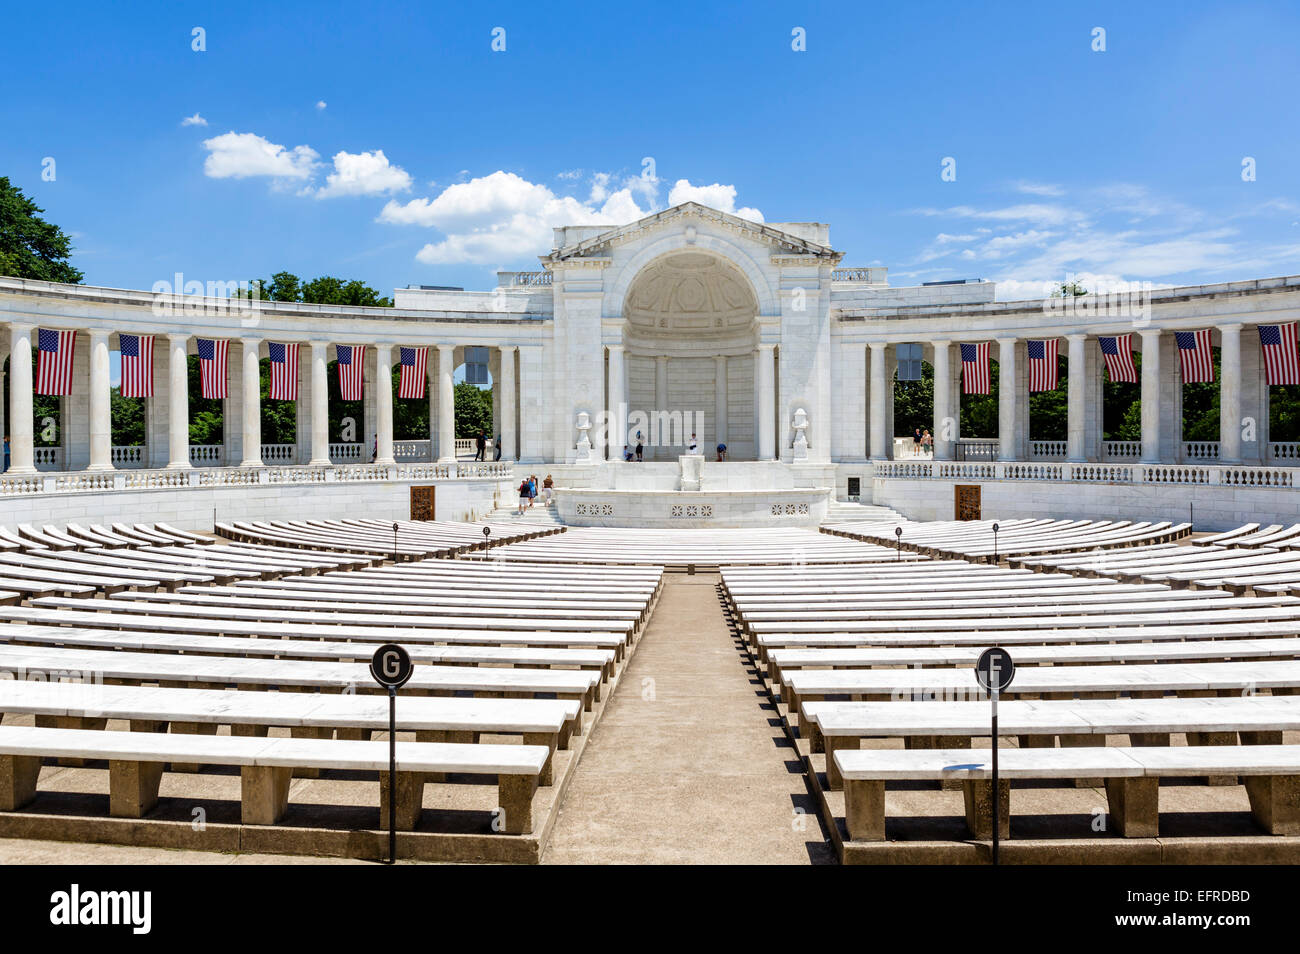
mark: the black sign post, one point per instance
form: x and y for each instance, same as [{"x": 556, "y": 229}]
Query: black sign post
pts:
[
  {"x": 995, "y": 543},
  {"x": 487, "y": 532},
  {"x": 391, "y": 668},
  {"x": 994, "y": 672},
  {"x": 898, "y": 547},
  {"x": 394, "y": 541}
]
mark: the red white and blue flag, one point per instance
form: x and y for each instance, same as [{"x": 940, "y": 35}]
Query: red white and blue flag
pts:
[
  {"x": 284, "y": 371},
  {"x": 975, "y": 368},
  {"x": 413, "y": 376},
  {"x": 351, "y": 361},
  {"x": 137, "y": 365},
  {"x": 212, "y": 367},
  {"x": 1279, "y": 345},
  {"x": 1195, "y": 354},
  {"x": 1118, "y": 352},
  {"x": 54, "y": 361},
  {"x": 1042, "y": 365}
]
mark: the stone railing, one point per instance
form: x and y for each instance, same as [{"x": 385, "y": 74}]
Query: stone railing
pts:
[
  {"x": 206, "y": 455},
  {"x": 524, "y": 279},
  {"x": 873, "y": 275},
  {"x": 277, "y": 453},
  {"x": 1203, "y": 474},
  {"x": 1040, "y": 450},
  {"x": 1280, "y": 451},
  {"x": 412, "y": 450},
  {"x": 139, "y": 479},
  {"x": 344, "y": 453},
  {"x": 973, "y": 448},
  {"x": 127, "y": 455},
  {"x": 1200, "y": 450},
  {"x": 48, "y": 458},
  {"x": 1121, "y": 450}
]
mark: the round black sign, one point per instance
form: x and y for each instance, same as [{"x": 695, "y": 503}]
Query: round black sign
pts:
[
  {"x": 898, "y": 531},
  {"x": 995, "y": 670},
  {"x": 391, "y": 666},
  {"x": 487, "y": 531}
]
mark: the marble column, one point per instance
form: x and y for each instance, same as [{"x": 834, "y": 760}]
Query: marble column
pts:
[
  {"x": 616, "y": 397},
  {"x": 251, "y": 393},
  {"x": 101, "y": 421},
  {"x": 943, "y": 445},
  {"x": 1076, "y": 398},
  {"x": 720, "y": 399},
  {"x": 22, "y": 429},
  {"x": 1151, "y": 397},
  {"x": 1230, "y": 394},
  {"x": 178, "y": 396},
  {"x": 320, "y": 405},
  {"x": 766, "y": 402},
  {"x": 1007, "y": 387},
  {"x": 879, "y": 431},
  {"x": 509, "y": 450},
  {"x": 659, "y": 441},
  {"x": 446, "y": 403},
  {"x": 384, "y": 403}
]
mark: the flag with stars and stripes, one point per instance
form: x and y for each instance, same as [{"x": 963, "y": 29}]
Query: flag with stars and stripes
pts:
[
  {"x": 137, "y": 365},
  {"x": 1279, "y": 345},
  {"x": 54, "y": 361},
  {"x": 1042, "y": 365},
  {"x": 212, "y": 367},
  {"x": 351, "y": 360},
  {"x": 1195, "y": 354},
  {"x": 975, "y": 368},
  {"x": 284, "y": 371},
  {"x": 413, "y": 376},
  {"x": 1118, "y": 352}
]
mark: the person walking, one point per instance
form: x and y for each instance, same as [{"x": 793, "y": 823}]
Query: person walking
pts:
[
  {"x": 6, "y": 452},
  {"x": 548, "y": 488},
  {"x": 640, "y": 448},
  {"x": 916, "y": 443},
  {"x": 496, "y": 448},
  {"x": 532, "y": 490},
  {"x": 927, "y": 443},
  {"x": 374, "y": 450},
  {"x": 523, "y": 496},
  {"x": 480, "y": 446}
]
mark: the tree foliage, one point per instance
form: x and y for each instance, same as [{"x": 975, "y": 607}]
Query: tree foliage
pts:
[
  {"x": 473, "y": 411},
  {"x": 30, "y": 247},
  {"x": 326, "y": 290}
]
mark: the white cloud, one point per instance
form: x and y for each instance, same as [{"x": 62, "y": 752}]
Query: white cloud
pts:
[
  {"x": 1038, "y": 188},
  {"x": 320, "y": 104},
  {"x": 195, "y": 120},
  {"x": 363, "y": 173},
  {"x": 240, "y": 155},
  {"x": 503, "y": 217},
  {"x": 715, "y": 196}
]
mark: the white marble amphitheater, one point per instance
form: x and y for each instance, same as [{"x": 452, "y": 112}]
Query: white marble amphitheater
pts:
[{"x": 678, "y": 659}]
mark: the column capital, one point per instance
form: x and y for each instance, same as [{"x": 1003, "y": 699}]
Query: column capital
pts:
[
  {"x": 1151, "y": 334},
  {"x": 616, "y": 347},
  {"x": 250, "y": 340},
  {"x": 878, "y": 345},
  {"x": 1004, "y": 340},
  {"x": 96, "y": 333},
  {"x": 1076, "y": 336},
  {"x": 21, "y": 326},
  {"x": 1231, "y": 326},
  {"x": 445, "y": 347},
  {"x": 181, "y": 337},
  {"x": 767, "y": 346}
]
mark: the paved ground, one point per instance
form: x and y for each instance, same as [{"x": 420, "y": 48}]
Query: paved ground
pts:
[{"x": 688, "y": 763}]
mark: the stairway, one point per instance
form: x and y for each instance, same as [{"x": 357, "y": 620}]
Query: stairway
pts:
[
  {"x": 538, "y": 516},
  {"x": 848, "y": 511}
]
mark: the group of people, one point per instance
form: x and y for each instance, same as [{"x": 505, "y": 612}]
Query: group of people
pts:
[
  {"x": 692, "y": 448},
  {"x": 922, "y": 442},
  {"x": 480, "y": 447},
  {"x": 528, "y": 492}
]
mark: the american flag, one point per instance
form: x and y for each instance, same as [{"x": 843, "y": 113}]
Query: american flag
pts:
[
  {"x": 284, "y": 371},
  {"x": 411, "y": 384},
  {"x": 1194, "y": 352},
  {"x": 975, "y": 368},
  {"x": 212, "y": 367},
  {"x": 1118, "y": 352},
  {"x": 137, "y": 365},
  {"x": 351, "y": 361},
  {"x": 1042, "y": 365},
  {"x": 1279, "y": 345},
  {"x": 54, "y": 364}
]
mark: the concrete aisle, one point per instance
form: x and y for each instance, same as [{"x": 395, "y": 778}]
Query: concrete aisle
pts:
[{"x": 688, "y": 764}]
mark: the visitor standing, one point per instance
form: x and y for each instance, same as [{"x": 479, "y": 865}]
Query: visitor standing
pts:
[
  {"x": 496, "y": 448},
  {"x": 640, "y": 447},
  {"x": 927, "y": 443},
  {"x": 523, "y": 496},
  {"x": 548, "y": 488},
  {"x": 480, "y": 446},
  {"x": 6, "y": 452},
  {"x": 694, "y": 447}
]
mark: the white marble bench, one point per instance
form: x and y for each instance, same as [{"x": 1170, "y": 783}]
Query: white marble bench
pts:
[
  {"x": 1132, "y": 778},
  {"x": 136, "y": 761}
]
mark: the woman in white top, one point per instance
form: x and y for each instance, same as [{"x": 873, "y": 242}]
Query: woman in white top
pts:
[{"x": 694, "y": 446}]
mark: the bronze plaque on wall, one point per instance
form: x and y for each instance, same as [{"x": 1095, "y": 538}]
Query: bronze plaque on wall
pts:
[
  {"x": 966, "y": 501},
  {"x": 422, "y": 503}
]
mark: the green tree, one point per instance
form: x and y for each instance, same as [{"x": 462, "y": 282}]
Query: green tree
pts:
[
  {"x": 473, "y": 411},
  {"x": 128, "y": 419},
  {"x": 325, "y": 290},
  {"x": 30, "y": 247},
  {"x": 914, "y": 403},
  {"x": 1048, "y": 414},
  {"x": 206, "y": 414}
]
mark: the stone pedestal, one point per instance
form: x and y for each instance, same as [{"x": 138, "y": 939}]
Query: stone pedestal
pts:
[{"x": 692, "y": 466}]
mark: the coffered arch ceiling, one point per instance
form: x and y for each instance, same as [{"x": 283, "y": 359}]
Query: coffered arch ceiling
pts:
[{"x": 690, "y": 294}]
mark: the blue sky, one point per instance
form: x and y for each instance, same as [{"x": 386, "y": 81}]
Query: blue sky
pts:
[{"x": 391, "y": 143}]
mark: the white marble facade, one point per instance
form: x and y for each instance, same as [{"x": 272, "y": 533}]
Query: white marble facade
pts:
[{"x": 690, "y": 321}]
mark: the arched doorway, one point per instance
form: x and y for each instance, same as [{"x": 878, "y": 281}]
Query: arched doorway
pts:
[{"x": 690, "y": 338}]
